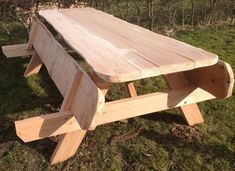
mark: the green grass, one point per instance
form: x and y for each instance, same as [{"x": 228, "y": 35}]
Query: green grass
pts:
[{"x": 209, "y": 146}]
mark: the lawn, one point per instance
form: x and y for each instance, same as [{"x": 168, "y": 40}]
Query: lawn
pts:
[{"x": 163, "y": 141}]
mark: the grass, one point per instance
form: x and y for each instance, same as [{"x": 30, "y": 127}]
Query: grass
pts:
[{"x": 165, "y": 143}]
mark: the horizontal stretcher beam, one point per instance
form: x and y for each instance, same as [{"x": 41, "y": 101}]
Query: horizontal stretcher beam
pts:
[{"x": 58, "y": 123}]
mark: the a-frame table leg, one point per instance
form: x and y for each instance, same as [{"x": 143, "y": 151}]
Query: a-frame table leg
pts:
[
  {"x": 70, "y": 142},
  {"x": 67, "y": 146},
  {"x": 191, "y": 112}
]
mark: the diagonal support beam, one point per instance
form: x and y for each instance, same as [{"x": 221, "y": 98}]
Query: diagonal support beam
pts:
[{"x": 34, "y": 65}]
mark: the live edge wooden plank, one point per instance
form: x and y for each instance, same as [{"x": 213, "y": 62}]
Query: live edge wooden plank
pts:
[
  {"x": 122, "y": 51},
  {"x": 53, "y": 124},
  {"x": 11, "y": 51},
  {"x": 93, "y": 51},
  {"x": 141, "y": 40}
]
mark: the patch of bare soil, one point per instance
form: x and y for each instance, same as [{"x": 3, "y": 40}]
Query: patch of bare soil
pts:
[{"x": 186, "y": 133}]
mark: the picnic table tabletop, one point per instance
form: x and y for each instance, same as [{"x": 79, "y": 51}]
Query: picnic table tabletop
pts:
[{"x": 119, "y": 51}]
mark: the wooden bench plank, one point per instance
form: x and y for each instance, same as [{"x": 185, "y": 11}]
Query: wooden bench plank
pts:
[
  {"x": 61, "y": 67},
  {"x": 12, "y": 51},
  {"x": 45, "y": 126}
]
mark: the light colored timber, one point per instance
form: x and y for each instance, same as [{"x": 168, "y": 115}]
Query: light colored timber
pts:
[
  {"x": 68, "y": 139},
  {"x": 61, "y": 67},
  {"x": 131, "y": 89},
  {"x": 100, "y": 83},
  {"x": 88, "y": 99},
  {"x": 11, "y": 51},
  {"x": 20, "y": 50},
  {"x": 45, "y": 126},
  {"x": 149, "y": 40},
  {"x": 217, "y": 79},
  {"x": 132, "y": 93},
  {"x": 67, "y": 146},
  {"x": 34, "y": 65},
  {"x": 69, "y": 97},
  {"x": 74, "y": 138},
  {"x": 141, "y": 105},
  {"x": 29, "y": 129},
  {"x": 116, "y": 51},
  {"x": 191, "y": 113},
  {"x": 32, "y": 34},
  {"x": 121, "y": 51}
]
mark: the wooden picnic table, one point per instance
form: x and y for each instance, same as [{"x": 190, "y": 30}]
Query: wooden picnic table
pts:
[{"x": 116, "y": 51}]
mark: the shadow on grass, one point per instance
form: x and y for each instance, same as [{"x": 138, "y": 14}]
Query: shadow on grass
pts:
[
  {"x": 169, "y": 143},
  {"x": 19, "y": 100},
  {"x": 165, "y": 117}
]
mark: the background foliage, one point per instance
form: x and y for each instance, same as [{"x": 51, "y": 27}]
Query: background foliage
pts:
[{"x": 153, "y": 14}]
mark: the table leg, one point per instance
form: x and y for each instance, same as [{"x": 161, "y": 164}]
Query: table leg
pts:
[
  {"x": 131, "y": 89},
  {"x": 70, "y": 142},
  {"x": 132, "y": 93},
  {"x": 34, "y": 65},
  {"x": 191, "y": 112},
  {"x": 67, "y": 146}
]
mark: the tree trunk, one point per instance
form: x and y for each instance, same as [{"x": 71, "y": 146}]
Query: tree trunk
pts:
[
  {"x": 192, "y": 19},
  {"x": 150, "y": 14},
  {"x": 138, "y": 12},
  {"x": 183, "y": 15}
]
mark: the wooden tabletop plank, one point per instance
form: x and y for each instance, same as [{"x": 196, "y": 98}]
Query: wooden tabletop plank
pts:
[
  {"x": 129, "y": 46},
  {"x": 119, "y": 51},
  {"x": 149, "y": 38}
]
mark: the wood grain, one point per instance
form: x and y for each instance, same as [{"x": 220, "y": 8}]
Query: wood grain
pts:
[
  {"x": 12, "y": 51},
  {"x": 119, "y": 51},
  {"x": 39, "y": 127},
  {"x": 217, "y": 79},
  {"x": 191, "y": 113},
  {"x": 34, "y": 65}
]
